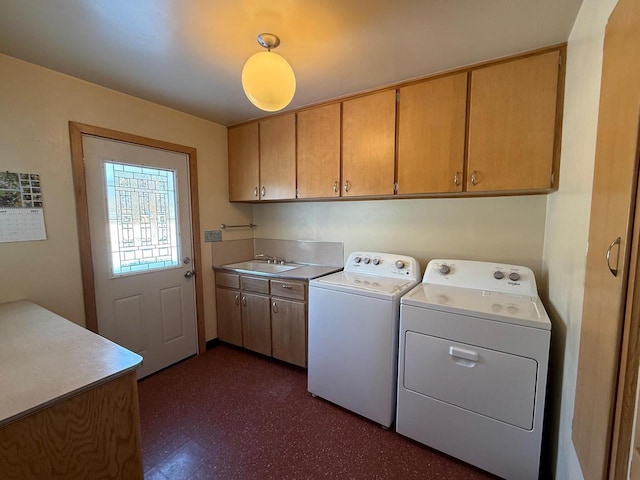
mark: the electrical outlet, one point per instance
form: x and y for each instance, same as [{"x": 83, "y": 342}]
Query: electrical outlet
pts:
[{"x": 213, "y": 236}]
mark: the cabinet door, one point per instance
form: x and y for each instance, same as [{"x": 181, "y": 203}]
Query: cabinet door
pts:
[
  {"x": 256, "y": 323},
  {"x": 318, "y": 131},
  {"x": 243, "y": 162},
  {"x": 289, "y": 331},
  {"x": 611, "y": 278},
  {"x": 229, "y": 317},
  {"x": 368, "y": 144},
  {"x": 512, "y": 121},
  {"x": 431, "y": 135},
  {"x": 278, "y": 158}
]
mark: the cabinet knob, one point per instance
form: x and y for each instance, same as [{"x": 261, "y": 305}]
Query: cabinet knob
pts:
[
  {"x": 474, "y": 178},
  {"x": 275, "y": 307},
  {"x": 347, "y": 185},
  {"x": 237, "y": 299},
  {"x": 335, "y": 186},
  {"x": 456, "y": 179},
  {"x": 255, "y": 192},
  {"x": 264, "y": 191},
  {"x": 244, "y": 301},
  {"x": 288, "y": 287}
]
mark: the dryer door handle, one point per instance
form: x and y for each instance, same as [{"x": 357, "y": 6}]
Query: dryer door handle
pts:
[{"x": 466, "y": 358}]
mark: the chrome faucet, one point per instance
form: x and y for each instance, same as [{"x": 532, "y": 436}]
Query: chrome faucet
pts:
[{"x": 269, "y": 258}]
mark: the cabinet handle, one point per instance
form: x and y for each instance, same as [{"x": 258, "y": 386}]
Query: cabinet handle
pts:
[
  {"x": 347, "y": 185},
  {"x": 264, "y": 191},
  {"x": 275, "y": 307},
  {"x": 288, "y": 287},
  {"x": 255, "y": 192},
  {"x": 614, "y": 271},
  {"x": 244, "y": 301},
  {"x": 474, "y": 178},
  {"x": 456, "y": 179},
  {"x": 237, "y": 299},
  {"x": 335, "y": 186}
]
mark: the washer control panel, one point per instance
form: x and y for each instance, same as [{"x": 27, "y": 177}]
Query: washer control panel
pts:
[
  {"x": 383, "y": 265},
  {"x": 492, "y": 277}
]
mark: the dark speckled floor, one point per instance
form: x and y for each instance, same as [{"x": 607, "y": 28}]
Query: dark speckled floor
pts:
[{"x": 231, "y": 414}]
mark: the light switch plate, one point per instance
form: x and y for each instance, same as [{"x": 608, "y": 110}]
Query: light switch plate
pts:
[{"x": 213, "y": 236}]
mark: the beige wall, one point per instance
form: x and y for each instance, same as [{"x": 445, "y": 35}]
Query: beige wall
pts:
[
  {"x": 36, "y": 106},
  {"x": 504, "y": 229},
  {"x": 568, "y": 224}
]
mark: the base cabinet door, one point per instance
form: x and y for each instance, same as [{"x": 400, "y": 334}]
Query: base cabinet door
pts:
[
  {"x": 289, "y": 331},
  {"x": 256, "y": 323},
  {"x": 229, "y": 316}
]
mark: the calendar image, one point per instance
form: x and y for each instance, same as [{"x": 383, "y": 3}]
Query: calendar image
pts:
[{"x": 21, "y": 207}]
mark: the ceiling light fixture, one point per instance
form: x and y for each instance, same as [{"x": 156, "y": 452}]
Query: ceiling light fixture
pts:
[{"x": 267, "y": 78}]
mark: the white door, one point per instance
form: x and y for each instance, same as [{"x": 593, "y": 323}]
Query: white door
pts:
[{"x": 140, "y": 223}]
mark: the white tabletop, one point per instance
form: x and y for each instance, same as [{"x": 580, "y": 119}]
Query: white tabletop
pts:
[{"x": 45, "y": 358}]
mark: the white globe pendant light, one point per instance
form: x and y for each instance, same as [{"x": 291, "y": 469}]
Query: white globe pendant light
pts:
[{"x": 267, "y": 79}]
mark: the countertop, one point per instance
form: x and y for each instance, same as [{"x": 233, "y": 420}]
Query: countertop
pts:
[
  {"x": 45, "y": 358},
  {"x": 304, "y": 272}
]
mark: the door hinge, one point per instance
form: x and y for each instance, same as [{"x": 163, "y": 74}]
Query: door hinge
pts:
[{"x": 395, "y": 188}]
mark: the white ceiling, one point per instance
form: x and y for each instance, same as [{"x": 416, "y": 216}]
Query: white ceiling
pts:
[{"x": 188, "y": 54}]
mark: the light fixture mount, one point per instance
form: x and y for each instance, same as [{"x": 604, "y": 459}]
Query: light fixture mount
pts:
[{"x": 268, "y": 40}]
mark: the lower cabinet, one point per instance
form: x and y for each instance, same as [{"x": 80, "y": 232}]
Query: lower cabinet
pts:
[
  {"x": 289, "y": 331},
  {"x": 262, "y": 315},
  {"x": 229, "y": 317},
  {"x": 256, "y": 323}
]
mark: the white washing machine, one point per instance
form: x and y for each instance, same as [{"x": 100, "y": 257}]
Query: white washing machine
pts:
[
  {"x": 472, "y": 369},
  {"x": 353, "y": 333}
]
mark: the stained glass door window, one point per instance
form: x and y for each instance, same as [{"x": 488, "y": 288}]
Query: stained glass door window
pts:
[{"x": 143, "y": 226}]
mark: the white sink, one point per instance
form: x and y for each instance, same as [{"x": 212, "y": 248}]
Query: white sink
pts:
[{"x": 262, "y": 267}]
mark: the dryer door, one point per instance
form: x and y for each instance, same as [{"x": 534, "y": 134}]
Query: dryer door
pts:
[{"x": 491, "y": 383}]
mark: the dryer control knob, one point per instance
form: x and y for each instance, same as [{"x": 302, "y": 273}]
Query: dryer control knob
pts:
[
  {"x": 376, "y": 261},
  {"x": 366, "y": 260},
  {"x": 515, "y": 276},
  {"x": 357, "y": 260},
  {"x": 444, "y": 269},
  {"x": 399, "y": 264},
  {"x": 498, "y": 275}
]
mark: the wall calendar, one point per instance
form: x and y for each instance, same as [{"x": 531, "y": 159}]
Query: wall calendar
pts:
[{"x": 21, "y": 208}]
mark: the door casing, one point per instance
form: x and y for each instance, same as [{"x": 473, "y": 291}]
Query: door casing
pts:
[{"x": 76, "y": 130}]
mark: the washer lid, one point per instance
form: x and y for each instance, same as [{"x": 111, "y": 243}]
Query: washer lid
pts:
[
  {"x": 503, "y": 307},
  {"x": 369, "y": 283}
]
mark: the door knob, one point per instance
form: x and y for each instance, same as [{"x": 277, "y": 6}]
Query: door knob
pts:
[{"x": 189, "y": 274}]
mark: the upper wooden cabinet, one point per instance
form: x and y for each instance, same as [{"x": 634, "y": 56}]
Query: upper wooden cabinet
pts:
[
  {"x": 243, "y": 162},
  {"x": 278, "y": 158},
  {"x": 319, "y": 152},
  {"x": 368, "y": 144},
  {"x": 512, "y": 120},
  {"x": 431, "y": 135},
  {"x": 489, "y": 129}
]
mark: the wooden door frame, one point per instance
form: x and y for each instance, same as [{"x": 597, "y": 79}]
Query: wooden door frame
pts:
[{"x": 76, "y": 130}]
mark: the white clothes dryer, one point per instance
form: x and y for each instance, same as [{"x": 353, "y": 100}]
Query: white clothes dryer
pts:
[
  {"x": 472, "y": 369},
  {"x": 353, "y": 333}
]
